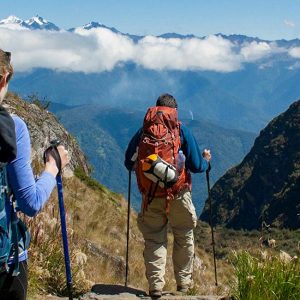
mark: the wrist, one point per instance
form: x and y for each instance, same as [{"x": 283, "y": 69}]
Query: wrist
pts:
[{"x": 51, "y": 168}]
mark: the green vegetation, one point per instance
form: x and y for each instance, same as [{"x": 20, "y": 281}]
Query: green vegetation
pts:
[
  {"x": 89, "y": 181},
  {"x": 265, "y": 186},
  {"x": 266, "y": 277},
  {"x": 42, "y": 102}
]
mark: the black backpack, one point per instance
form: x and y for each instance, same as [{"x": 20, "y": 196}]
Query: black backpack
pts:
[{"x": 8, "y": 148}]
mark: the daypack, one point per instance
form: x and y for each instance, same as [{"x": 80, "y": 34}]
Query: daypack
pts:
[
  {"x": 158, "y": 148},
  {"x": 13, "y": 232},
  {"x": 8, "y": 148}
]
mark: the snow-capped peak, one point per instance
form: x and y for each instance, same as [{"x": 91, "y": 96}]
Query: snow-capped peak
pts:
[
  {"x": 13, "y": 23},
  {"x": 37, "y": 19},
  {"x": 38, "y": 22},
  {"x": 11, "y": 20},
  {"x": 92, "y": 25}
]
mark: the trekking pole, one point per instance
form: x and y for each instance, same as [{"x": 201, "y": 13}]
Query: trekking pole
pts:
[
  {"x": 128, "y": 223},
  {"x": 210, "y": 221},
  {"x": 54, "y": 152}
]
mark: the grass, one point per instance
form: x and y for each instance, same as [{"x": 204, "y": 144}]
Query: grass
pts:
[
  {"x": 89, "y": 181},
  {"x": 96, "y": 215},
  {"x": 266, "y": 277}
]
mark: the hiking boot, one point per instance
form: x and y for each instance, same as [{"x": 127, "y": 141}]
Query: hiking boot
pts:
[
  {"x": 155, "y": 294},
  {"x": 183, "y": 289}
]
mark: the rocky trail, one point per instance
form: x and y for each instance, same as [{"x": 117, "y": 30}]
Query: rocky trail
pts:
[{"x": 102, "y": 292}]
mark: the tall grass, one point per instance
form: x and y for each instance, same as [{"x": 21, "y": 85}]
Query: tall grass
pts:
[
  {"x": 266, "y": 277},
  {"x": 46, "y": 264}
]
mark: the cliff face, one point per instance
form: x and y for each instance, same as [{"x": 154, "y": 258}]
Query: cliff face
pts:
[
  {"x": 43, "y": 128},
  {"x": 266, "y": 185}
]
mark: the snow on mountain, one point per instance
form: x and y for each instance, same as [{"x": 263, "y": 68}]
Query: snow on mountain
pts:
[
  {"x": 37, "y": 22},
  {"x": 14, "y": 23},
  {"x": 93, "y": 25}
]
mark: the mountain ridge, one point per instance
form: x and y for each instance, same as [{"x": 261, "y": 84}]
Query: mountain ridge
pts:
[
  {"x": 265, "y": 186},
  {"x": 37, "y": 23},
  {"x": 34, "y": 23},
  {"x": 107, "y": 132}
]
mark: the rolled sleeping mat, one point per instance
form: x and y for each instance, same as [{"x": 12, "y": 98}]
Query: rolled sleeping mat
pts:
[{"x": 157, "y": 169}]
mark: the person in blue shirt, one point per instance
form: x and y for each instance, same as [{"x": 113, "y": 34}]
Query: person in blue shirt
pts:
[
  {"x": 181, "y": 215},
  {"x": 30, "y": 194}
]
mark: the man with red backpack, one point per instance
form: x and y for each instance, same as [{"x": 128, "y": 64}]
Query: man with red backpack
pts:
[{"x": 163, "y": 153}]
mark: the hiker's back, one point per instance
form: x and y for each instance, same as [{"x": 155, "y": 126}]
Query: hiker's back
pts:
[
  {"x": 162, "y": 165},
  {"x": 159, "y": 143}
]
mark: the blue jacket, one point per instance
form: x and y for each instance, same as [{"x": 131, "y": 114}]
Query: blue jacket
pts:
[
  {"x": 31, "y": 195},
  {"x": 194, "y": 161}
]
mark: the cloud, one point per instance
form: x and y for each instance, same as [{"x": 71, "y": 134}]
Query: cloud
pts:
[
  {"x": 255, "y": 50},
  {"x": 212, "y": 53},
  {"x": 289, "y": 23},
  {"x": 295, "y": 52},
  {"x": 100, "y": 49}
]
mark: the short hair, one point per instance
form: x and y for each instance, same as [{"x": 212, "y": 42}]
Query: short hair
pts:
[
  {"x": 166, "y": 100},
  {"x": 5, "y": 65}
]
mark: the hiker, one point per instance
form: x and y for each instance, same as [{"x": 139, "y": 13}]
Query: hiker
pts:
[
  {"x": 163, "y": 153},
  {"x": 30, "y": 196}
]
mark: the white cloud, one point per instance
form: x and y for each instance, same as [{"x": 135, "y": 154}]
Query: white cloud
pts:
[
  {"x": 255, "y": 50},
  {"x": 289, "y": 23},
  {"x": 100, "y": 50},
  {"x": 212, "y": 53},
  {"x": 295, "y": 52}
]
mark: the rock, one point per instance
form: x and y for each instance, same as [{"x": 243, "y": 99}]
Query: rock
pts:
[{"x": 43, "y": 128}]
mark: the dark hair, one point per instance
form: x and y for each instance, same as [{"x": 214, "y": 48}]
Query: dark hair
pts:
[
  {"x": 5, "y": 65},
  {"x": 166, "y": 100}
]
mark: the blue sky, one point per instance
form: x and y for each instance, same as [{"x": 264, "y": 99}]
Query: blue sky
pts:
[{"x": 274, "y": 19}]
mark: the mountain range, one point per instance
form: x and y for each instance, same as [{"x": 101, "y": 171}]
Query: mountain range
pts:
[
  {"x": 225, "y": 109},
  {"x": 245, "y": 99},
  {"x": 39, "y": 23},
  {"x": 107, "y": 132},
  {"x": 265, "y": 187},
  {"x": 34, "y": 23}
]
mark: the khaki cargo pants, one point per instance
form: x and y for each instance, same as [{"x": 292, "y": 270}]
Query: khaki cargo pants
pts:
[{"x": 153, "y": 225}]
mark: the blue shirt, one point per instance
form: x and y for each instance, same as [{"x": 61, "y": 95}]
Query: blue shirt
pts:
[
  {"x": 30, "y": 194},
  {"x": 194, "y": 160}
]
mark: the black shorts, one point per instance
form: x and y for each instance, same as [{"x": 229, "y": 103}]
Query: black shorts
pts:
[{"x": 14, "y": 288}]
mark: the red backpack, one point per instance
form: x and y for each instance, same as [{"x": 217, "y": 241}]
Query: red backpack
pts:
[{"x": 161, "y": 136}]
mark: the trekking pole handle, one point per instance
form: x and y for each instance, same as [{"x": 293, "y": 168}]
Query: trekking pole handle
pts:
[{"x": 53, "y": 151}]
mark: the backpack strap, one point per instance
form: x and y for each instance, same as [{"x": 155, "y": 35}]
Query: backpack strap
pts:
[
  {"x": 14, "y": 237},
  {"x": 13, "y": 221},
  {"x": 11, "y": 227}
]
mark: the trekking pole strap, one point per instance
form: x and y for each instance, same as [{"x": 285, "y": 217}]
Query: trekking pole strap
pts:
[{"x": 52, "y": 150}]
